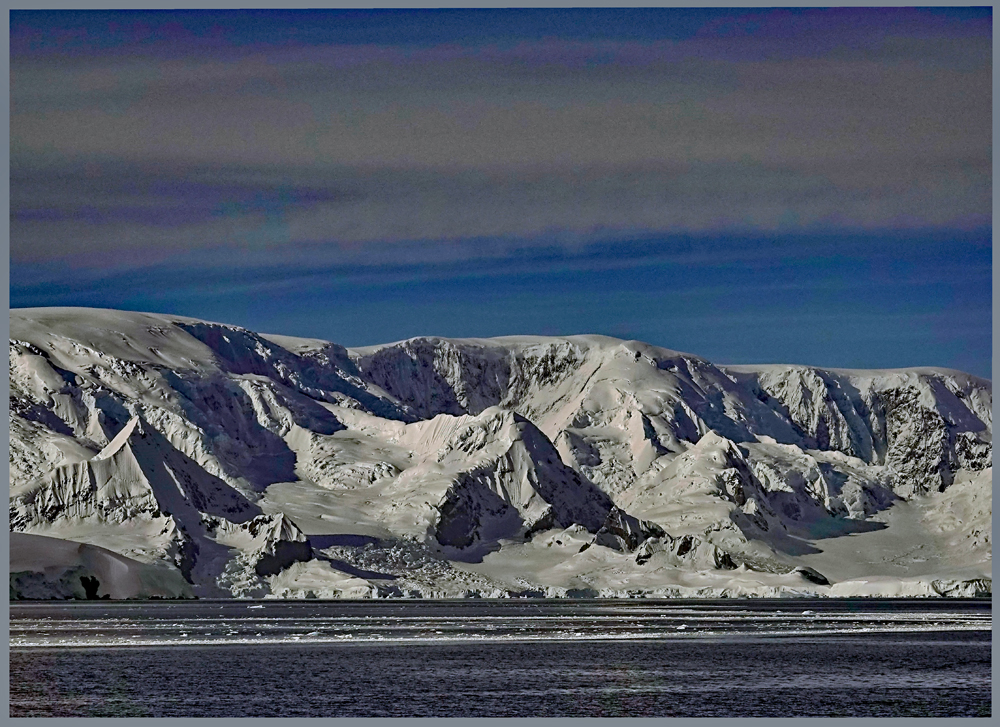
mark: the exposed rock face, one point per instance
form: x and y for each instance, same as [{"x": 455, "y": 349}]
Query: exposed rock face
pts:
[
  {"x": 973, "y": 451},
  {"x": 829, "y": 412},
  {"x": 433, "y": 376},
  {"x": 923, "y": 425},
  {"x": 268, "y": 543},
  {"x": 215, "y": 449},
  {"x": 918, "y": 443},
  {"x": 621, "y": 531},
  {"x": 813, "y": 576},
  {"x": 975, "y": 588}
]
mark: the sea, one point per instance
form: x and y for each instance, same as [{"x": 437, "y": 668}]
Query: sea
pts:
[{"x": 502, "y": 658}]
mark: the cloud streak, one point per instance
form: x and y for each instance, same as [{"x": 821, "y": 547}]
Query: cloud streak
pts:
[{"x": 768, "y": 122}]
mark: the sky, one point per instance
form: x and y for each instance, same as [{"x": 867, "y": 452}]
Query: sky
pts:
[{"x": 753, "y": 186}]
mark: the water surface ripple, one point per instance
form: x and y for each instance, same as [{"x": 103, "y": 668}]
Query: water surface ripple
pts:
[{"x": 501, "y": 658}]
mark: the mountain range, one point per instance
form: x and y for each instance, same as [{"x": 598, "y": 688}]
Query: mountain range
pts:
[{"x": 206, "y": 459}]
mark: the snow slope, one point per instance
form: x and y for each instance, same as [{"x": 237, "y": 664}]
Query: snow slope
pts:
[
  {"x": 49, "y": 568},
  {"x": 269, "y": 465}
]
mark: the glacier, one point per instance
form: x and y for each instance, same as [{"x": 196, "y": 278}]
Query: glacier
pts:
[{"x": 231, "y": 463}]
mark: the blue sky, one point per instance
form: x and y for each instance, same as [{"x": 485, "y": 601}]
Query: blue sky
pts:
[{"x": 807, "y": 186}]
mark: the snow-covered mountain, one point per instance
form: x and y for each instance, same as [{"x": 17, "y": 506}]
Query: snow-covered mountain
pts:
[{"x": 257, "y": 464}]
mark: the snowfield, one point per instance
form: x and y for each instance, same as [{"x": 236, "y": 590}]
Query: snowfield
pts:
[{"x": 196, "y": 458}]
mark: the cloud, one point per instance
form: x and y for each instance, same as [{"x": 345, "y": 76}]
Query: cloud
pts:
[
  {"x": 120, "y": 214},
  {"x": 787, "y": 121}
]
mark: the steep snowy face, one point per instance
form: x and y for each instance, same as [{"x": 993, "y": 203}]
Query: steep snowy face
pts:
[
  {"x": 829, "y": 412},
  {"x": 224, "y": 453},
  {"x": 201, "y": 428},
  {"x": 711, "y": 483},
  {"x": 434, "y": 376},
  {"x": 612, "y": 407},
  {"x": 176, "y": 509},
  {"x": 469, "y": 480},
  {"x": 224, "y": 396},
  {"x": 924, "y": 425},
  {"x": 802, "y": 485}
]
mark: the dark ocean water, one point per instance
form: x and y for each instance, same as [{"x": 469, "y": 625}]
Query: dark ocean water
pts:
[{"x": 502, "y": 659}]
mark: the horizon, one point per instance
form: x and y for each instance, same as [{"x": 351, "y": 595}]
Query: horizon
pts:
[{"x": 801, "y": 186}]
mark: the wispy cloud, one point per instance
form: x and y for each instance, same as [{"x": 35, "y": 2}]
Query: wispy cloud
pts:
[{"x": 775, "y": 121}]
